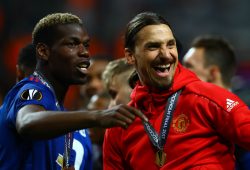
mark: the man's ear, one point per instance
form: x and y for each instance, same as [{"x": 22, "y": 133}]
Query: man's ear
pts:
[
  {"x": 42, "y": 51},
  {"x": 129, "y": 56},
  {"x": 214, "y": 73}
]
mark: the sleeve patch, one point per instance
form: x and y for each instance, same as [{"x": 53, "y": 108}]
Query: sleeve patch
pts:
[{"x": 31, "y": 94}]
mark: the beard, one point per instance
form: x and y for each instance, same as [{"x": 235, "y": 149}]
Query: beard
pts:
[
  {"x": 163, "y": 84},
  {"x": 157, "y": 83}
]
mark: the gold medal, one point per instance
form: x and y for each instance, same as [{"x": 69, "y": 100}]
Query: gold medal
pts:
[{"x": 160, "y": 158}]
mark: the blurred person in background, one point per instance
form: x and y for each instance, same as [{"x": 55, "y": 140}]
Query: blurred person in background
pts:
[
  {"x": 25, "y": 66},
  {"x": 117, "y": 91},
  {"x": 34, "y": 123},
  {"x": 191, "y": 125},
  {"x": 116, "y": 79},
  {"x": 97, "y": 102},
  {"x": 94, "y": 84},
  {"x": 26, "y": 62},
  {"x": 212, "y": 59}
]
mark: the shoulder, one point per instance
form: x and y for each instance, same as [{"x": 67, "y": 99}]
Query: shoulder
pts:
[
  {"x": 18, "y": 90},
  {"x": 219, "y": 96},
  {"x": 32, "y": 91}
]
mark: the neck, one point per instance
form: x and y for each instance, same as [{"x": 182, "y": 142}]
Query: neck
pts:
[
  {"x": 60, "y": 89},
  {"x": 221, "y": 84}
]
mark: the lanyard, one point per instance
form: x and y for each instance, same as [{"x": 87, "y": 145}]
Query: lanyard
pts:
[
  {"x": 69, "y": 136},
  {"x": 67, "y": 148},
  {"x": 159, "y": 140}
]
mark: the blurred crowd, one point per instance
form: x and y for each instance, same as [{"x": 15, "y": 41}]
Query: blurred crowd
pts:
[{"x": 106, "y": 21}]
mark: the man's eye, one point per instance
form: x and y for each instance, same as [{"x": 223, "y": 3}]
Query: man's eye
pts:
[
  {"x": 171, "y": 44},
  {"x": 152, "y": 47},
  {"x": 86, "y": 45},
  {"x": 71, "y": 44}
]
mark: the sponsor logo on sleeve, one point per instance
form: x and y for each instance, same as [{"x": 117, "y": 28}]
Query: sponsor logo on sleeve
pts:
[{"x": 31, "y": 94}]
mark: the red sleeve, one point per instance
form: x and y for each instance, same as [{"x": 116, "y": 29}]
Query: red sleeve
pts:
[
  {"x": 226, "y": 113},
  {"x": 241, "y": 118},
  {"x": 112, "y": 155},
  {"x": 231, "y": 119}
]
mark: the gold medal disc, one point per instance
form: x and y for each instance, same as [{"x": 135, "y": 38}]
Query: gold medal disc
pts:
[{"x": 161, "y": 158}]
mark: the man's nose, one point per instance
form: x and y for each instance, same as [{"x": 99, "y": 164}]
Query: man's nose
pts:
[
  {"x": 165, "y": 51},
  {"x": 83, "y": 51}
]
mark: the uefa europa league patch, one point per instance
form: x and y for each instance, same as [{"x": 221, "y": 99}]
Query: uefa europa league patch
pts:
[{"x": 31, "y": 94}]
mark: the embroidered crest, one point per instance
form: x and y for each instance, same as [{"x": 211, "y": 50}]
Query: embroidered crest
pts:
[
  {"x": 31, "y": 94},
  {"x": 181, "y": 123}
]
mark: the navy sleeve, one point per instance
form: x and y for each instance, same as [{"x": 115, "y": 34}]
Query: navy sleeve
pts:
[{"x": 31, "y": 93}]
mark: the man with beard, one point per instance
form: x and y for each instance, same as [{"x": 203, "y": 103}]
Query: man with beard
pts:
[{"x": 192, "y": 124}]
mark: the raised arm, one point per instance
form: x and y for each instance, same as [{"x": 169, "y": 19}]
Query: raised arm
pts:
[{"x": 34, "y": 121}]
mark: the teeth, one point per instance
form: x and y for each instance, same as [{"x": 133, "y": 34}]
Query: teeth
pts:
[
  {"x": 163, "y": 66},
  {"x": 83, "y": 66}
]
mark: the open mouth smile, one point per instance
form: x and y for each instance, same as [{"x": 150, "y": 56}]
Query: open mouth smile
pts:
[{"x": 162, "y": 70}]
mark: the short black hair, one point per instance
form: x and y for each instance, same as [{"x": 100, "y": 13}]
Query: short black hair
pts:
[
  {"x": 218, "y": 51},
  {"x": 137, "y": 23},
  {"x": 27, "y": 57}
]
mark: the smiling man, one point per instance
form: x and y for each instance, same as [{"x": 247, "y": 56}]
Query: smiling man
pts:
[
  {"x": 37, "y": 133},
  {"x": 192, "y": 124},
  {"x": 155, "y": 71}
]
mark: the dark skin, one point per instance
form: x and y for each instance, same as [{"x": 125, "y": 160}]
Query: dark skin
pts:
[{"x": 65, "y": 63}]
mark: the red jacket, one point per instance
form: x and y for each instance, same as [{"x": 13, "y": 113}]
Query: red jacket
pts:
[{"x": 207, "y": 121}]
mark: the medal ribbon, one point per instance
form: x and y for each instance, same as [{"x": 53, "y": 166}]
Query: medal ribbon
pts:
[
  {"x": 159, "y": 140},
  {"x": 67, "y": 148},
  {"x": 69, "y": 136}
]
